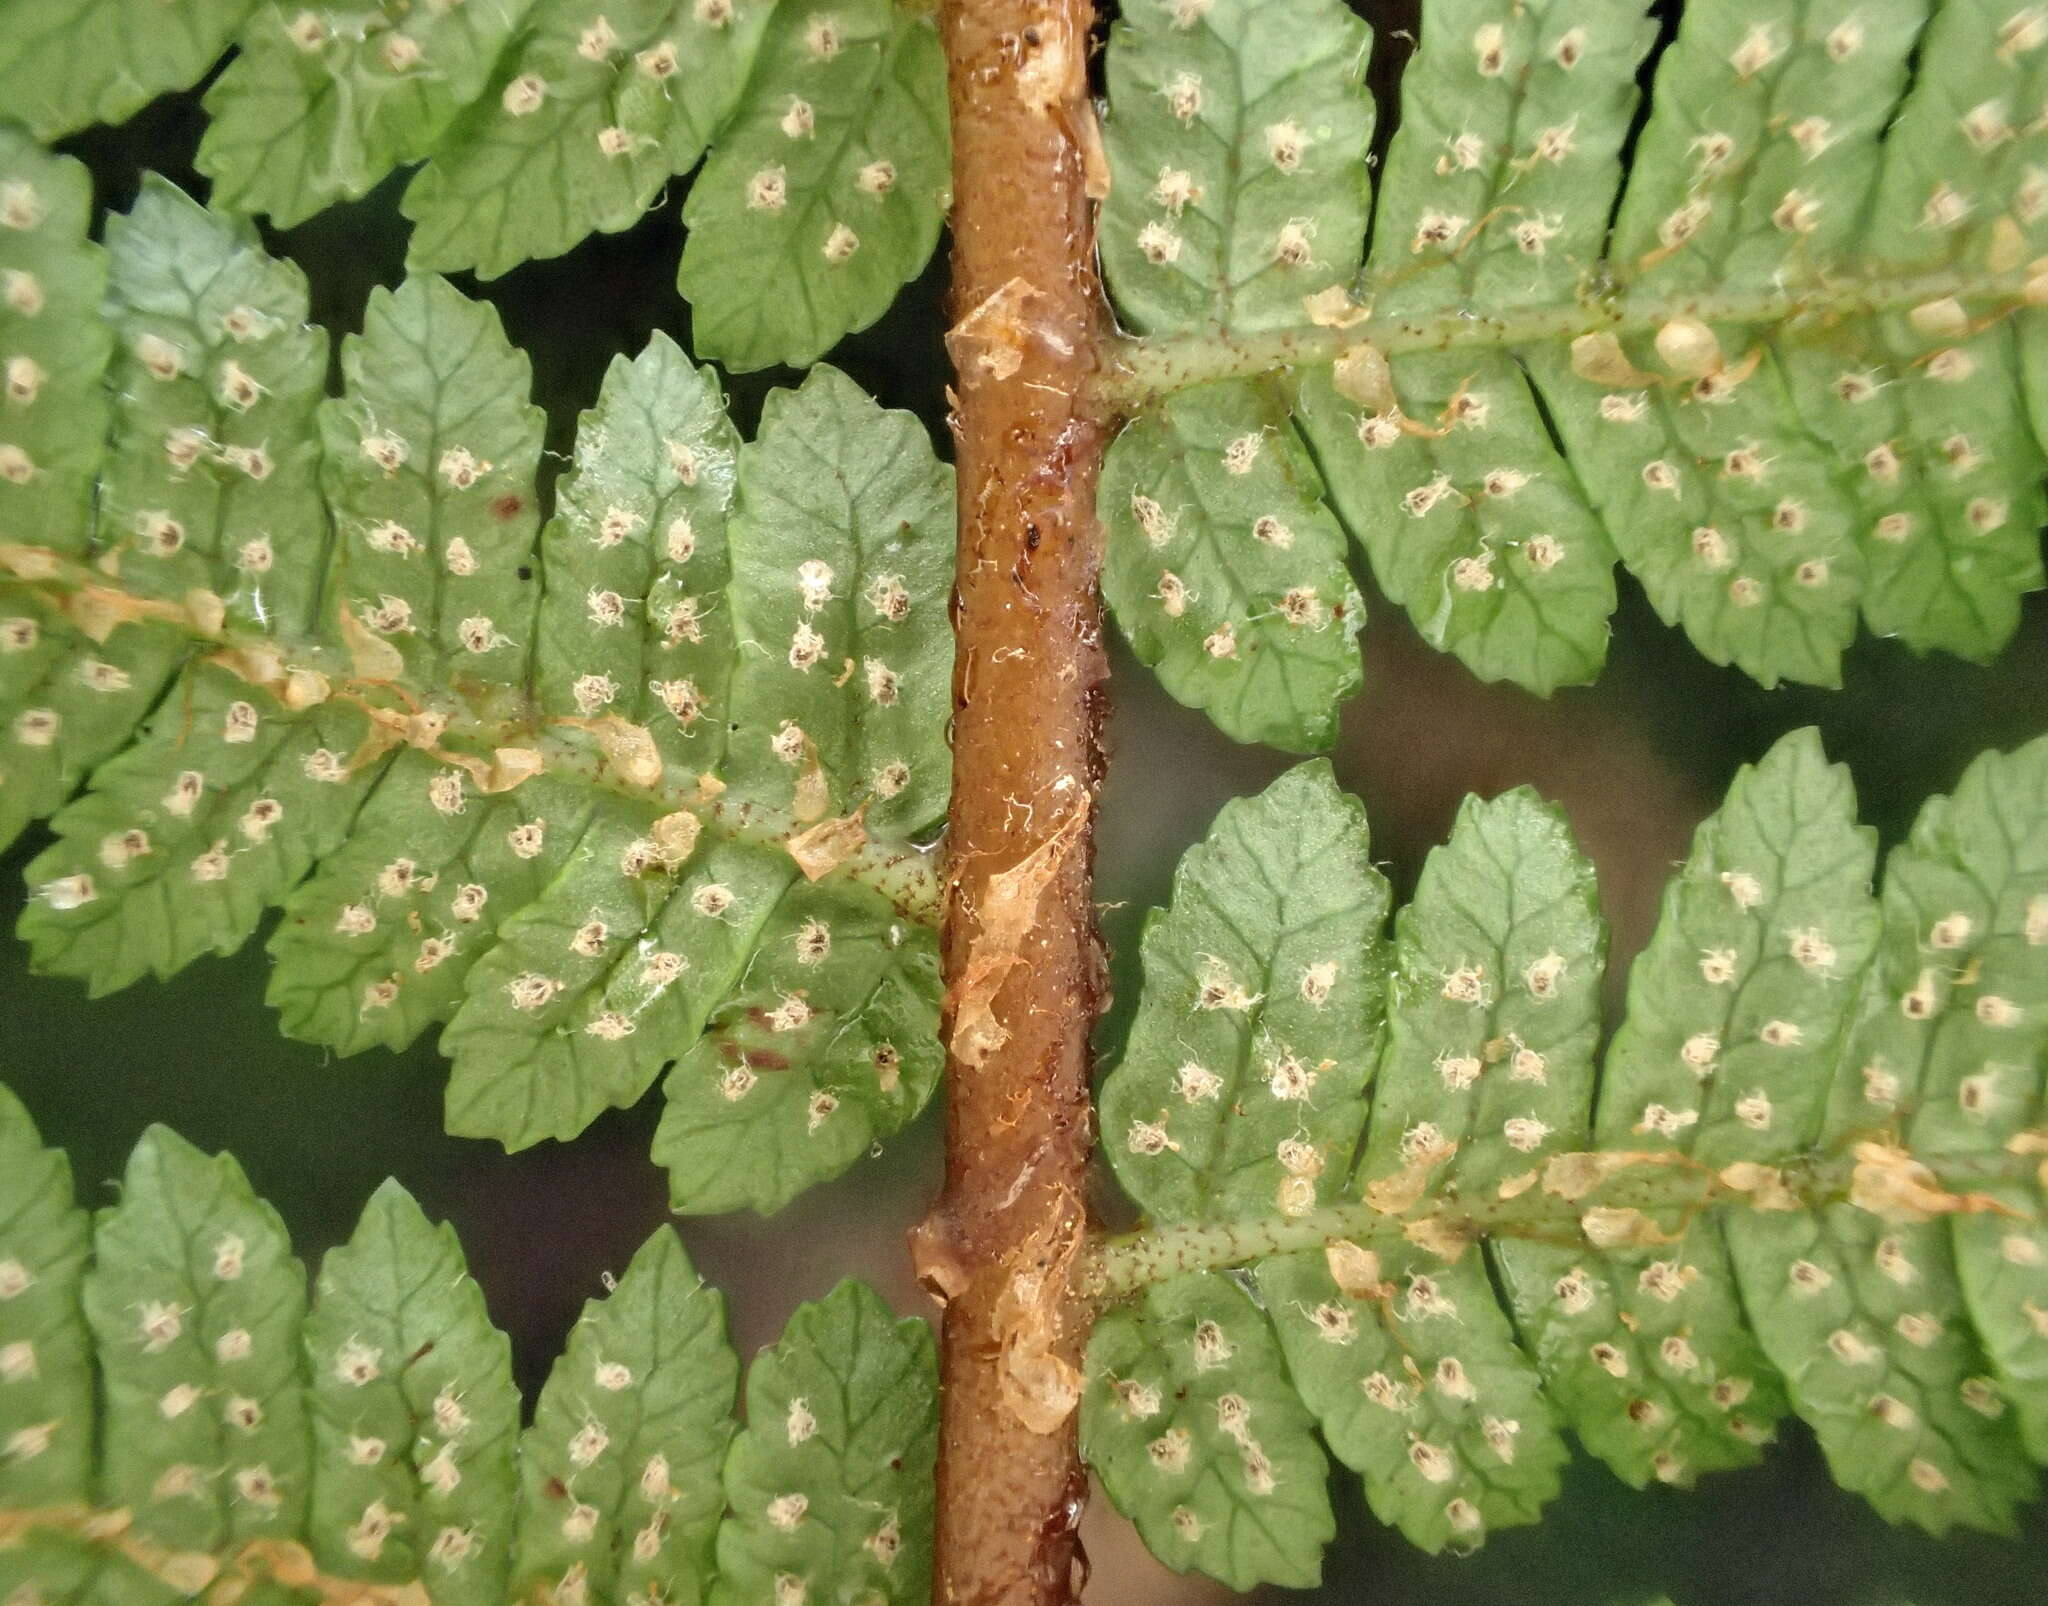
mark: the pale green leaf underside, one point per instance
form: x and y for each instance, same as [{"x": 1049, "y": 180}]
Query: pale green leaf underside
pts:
[
  {"x": 576, "y": 139},
  {"x": 542, "y": 121},
  {"x": 45, "y": 1350},
  {"x": 1200, "y": 1438},
  {"x": 1779, "y": 1018},
  {"x": 836, "y": 167},
  {"x": 415, "y": 1418},
  {"x": 1226, "y": 570},
  {"x": 1494, "y": 1011},
  {"x": 546, "y": 786},
  {"x": 1240, "y": 1089},
  {"x": 71, "y": 63},
  {"x": 633, "y": 1424},
  {"x": 1768, "y": 476},
  {"x": 195, "y": 1303},
  {"x": 316, "y": 109},
  {"x": 1236, "y": 142},
  {"x": 175, "y": 1372},
  {"x": 830, "y": 1482}
]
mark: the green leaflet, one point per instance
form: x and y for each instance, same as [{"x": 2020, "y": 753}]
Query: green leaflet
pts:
[
  {"x": 1736, "y": 1011},
  {"x": 377, "y": 944},
  {"x": 1951, "y": 1040},
  {"x": 1225, "y": 570},
  {"x": 1241, "y": 1088},
  {"x": 1441, "y": 465},
  {"x": 541, "y": 121},
  {"x": 1495, "y": 1004},
  {"x": 1236, "y": 145},
  {"x": 1719, "y": 503},
  {"x": 1412, "y": 1372},
  {"x": 1199, "y": 1437},
  {"x": 195, "y": 1302},
  {"x": 186, "y": 838},
  {"x": 210, "y": 481},
  {"x": 800, "y": 626},
  {"x": 1959, "y": 166},
  {"x": 836, "y": 552},
  {"x": 206, "y": 484},
  {"x": 1488, "y": 1068},
  {"x": 1865, "y": 1320},
  {"x": 67, "y": 63},
  {"x": 1735, "y": 1017},
  {"x": 429, "y": 464},
  {"x": 1762, "y": 145},
  {"x": 1956, "y": 1018},
  {"x": 586, "y": 121},
  {"x": 1512, "y": 120},
  {"x": 415, "y": 1420},
  {"x": 643, "y": 516},
  {"x": 827, "y": 188},
  {"x": 75, "y": 700},
  {"x": 1980, "y": 1070},
  {"x": 1944, "y": 477},
  {"x": 377, "y": 1438},
  {"x": 1472, "y": 521},
  {"x": 316, "y": 108},
  {"x": 823, "y": 1002},
  {"x": 605, "y": 978},
  {"x": 1644, "y": 1353},
  {"x": 1737, "y": 1007},
  {"x": 827, "y": 1043},
  {"x": 842, "y": 555},
  {"x": 619, "y": 1473},
  {"x": 46, "y": 1392},
  {"x": 53, "y": 347},
  {"x": 830, "y": 1482},
  {"x": 1814, "y": 1085},
  {"x": 1945, "y": 474}
]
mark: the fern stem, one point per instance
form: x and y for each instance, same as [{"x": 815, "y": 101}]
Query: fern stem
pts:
[
  {"x": 1136, "y": 370},
  {"x": 1022, "y": 957},
  {"x": 1126, "y": 1262}
]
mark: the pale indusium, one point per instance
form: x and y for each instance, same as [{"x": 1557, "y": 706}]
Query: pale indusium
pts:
[{"x": 637, "y": 769}]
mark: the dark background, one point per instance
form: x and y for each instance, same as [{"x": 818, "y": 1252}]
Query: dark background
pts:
[{"x": 1637, "y": 761}]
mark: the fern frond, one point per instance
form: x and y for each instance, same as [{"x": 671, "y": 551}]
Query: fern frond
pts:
[
  {"x": 523, "y": 174},
  {"x": 543, "y": 121},
  {"x": 369, "y": 1448},
  {"x": 1790, "y": 384},
  {"x": 1209, "y": 1448},
  {"x": 317, "y": 107},
  {"x": 832, "y": 1476},
  {"x": 68, "y": 65},
  {"x": 1808, "y": 1176},
  {"x": 587, "y": 793},
  {"x": 836, "y": 166}
]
